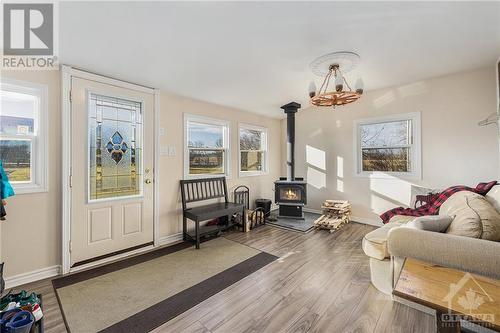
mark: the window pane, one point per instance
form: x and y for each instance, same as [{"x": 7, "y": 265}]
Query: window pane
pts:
[
  {"x": 206, "y": 161},
  {"x": 252, "y": 161},
  {"x": 250, "y": 139},
  {"x": 205, "y": 135},
  {"x": 115, "y": 148},
  {"x": 16, "y": 159},
  {"x": 385, "y": 134},
  {"x": 386, "y": 159},
  {"x": 19, "y": 112}
]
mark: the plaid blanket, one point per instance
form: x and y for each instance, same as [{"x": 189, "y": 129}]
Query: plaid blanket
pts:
[{"x": 435, "y": 201}]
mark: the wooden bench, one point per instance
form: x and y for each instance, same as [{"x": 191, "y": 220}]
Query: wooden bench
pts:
[{"x": 195, "y": 190}]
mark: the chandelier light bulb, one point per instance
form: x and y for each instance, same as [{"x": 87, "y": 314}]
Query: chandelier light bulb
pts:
[
  {"x": 359, "y": 86},
  {"x": 339, "y": 82},
  {"x": 312, "y": 89}
]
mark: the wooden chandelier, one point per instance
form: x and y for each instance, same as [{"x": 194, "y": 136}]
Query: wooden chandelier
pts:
[{"x": 337, "y": 97}]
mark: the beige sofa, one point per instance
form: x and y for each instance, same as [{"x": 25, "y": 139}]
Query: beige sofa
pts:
[{"x": 390, "y": 244}]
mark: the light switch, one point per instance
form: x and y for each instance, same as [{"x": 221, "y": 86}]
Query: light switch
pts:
[
  {"x": 164, "y": 150},
  {"x": 161, "y": 131}
]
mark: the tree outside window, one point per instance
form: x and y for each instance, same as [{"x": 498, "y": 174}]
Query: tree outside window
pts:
[
  {"x": 22, "y": 134},
  {"x": 207, "y": 148},
  {"x": 389, "y": 145},
  {"x": 253, "y": 150}
]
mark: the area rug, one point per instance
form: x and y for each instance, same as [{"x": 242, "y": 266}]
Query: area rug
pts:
[
  {"x": 294, "y": 224},
  {"x": 144, "y": 292}
]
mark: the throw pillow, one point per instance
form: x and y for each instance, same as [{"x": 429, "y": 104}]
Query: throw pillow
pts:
[
  {"x": 490, "y": 218},
  {"x": 436, "y": 223},
  {"x": 467, "y": 222},
  {"x": 474, "y": 216},
  {"x": 493, "y": 197}
]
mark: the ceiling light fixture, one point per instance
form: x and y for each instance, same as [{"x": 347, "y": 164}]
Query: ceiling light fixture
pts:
[{"x": 328, "y": 66}]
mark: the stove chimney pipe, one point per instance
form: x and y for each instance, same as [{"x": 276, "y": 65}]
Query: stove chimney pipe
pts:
[{"x": 290, "y": 110}]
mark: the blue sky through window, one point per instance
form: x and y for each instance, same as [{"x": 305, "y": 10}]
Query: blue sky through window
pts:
[{"x": 205, "y": 135}]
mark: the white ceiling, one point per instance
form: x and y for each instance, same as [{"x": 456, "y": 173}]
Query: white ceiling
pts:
[{"x": 255, "y": 56}]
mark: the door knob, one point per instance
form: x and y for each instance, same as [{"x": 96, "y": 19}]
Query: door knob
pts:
[{"x": 148, "y": 181}]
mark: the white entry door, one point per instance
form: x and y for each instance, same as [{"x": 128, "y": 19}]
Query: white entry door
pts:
[{"x": 111, "y": 169}]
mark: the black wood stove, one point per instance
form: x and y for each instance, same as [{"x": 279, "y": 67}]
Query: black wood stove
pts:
[{"x": 290, "y": 192}]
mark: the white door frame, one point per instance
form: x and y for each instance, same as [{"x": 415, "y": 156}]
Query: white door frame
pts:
[{"x": 67, "y": 73}]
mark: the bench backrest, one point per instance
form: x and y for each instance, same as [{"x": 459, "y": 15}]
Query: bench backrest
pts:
[{"x": 193, "y": 190}]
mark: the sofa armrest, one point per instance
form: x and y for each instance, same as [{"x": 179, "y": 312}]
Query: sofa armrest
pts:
[{"x": 463, "y": 253}]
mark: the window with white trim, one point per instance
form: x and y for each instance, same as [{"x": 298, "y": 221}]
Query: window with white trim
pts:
[
  {"x": 206, "y": 150},
  {"x": 388, "y": 145},
  {"x": 23, "y": 135},
  {"x": 252, "y": 150}
]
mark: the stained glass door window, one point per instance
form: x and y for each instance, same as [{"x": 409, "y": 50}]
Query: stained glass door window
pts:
[{"x": 115, "y": 147}]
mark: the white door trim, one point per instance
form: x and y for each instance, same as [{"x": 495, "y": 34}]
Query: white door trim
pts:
[{"x": 67, "y": 73}]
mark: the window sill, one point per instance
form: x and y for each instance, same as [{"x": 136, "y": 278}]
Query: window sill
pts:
[
  {"x": 204, "y": 176},
  {"x": 29, "y": 189},
  {"x": 243, "y": 174},
  {"x": 389, "y": 175}
]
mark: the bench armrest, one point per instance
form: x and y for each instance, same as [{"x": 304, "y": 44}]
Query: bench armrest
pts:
[{"x": 463, "y": 253}]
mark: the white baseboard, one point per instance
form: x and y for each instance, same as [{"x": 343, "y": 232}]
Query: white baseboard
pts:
[
  {"x": 165, "y": 240},
  {"x": 48, "y": 272},
  {"x": 28, "y": 277},
  {"x": 364, "y": 220}
]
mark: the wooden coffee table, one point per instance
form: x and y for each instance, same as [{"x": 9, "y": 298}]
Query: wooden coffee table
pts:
[{"x": 454, "y": 294}]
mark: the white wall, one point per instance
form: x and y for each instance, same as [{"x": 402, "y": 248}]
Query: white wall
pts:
[
  {"x": 171, "y": 167},
  {"x": 455, "y": 150},
  {"x": 31, "y": 236}
]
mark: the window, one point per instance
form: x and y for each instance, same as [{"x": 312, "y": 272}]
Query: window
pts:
[
  {"x": 115, "y": 147},
  {"x": 206, "y": 147},
  {"x": 23, "y": 135},
  {"x": 388, "y": 145},
  {"x": 253, "y": 150}
]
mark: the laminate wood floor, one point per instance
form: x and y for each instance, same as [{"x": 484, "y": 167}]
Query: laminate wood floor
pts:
[{"x": 321, "y": 283}]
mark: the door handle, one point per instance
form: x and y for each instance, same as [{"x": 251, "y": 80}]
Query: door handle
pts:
[{"x": 148, "y": 181}]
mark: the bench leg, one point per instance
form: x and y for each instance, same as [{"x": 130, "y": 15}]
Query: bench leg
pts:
[
  {"x": 197, "y": 231},
  {"x": 244, "y": 218},
  {"x": 184, "y": 228}
]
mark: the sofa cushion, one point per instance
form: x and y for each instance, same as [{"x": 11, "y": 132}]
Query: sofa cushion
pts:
[
  {"x": 375, "y": 242},
  {"x": 401, "y": 219},
  {"x": 474, "y": 216},
  {"x": 436, "y": 223}
]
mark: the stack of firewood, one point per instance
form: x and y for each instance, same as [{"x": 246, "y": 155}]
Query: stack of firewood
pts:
[{"x": 335, "y": 214}]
